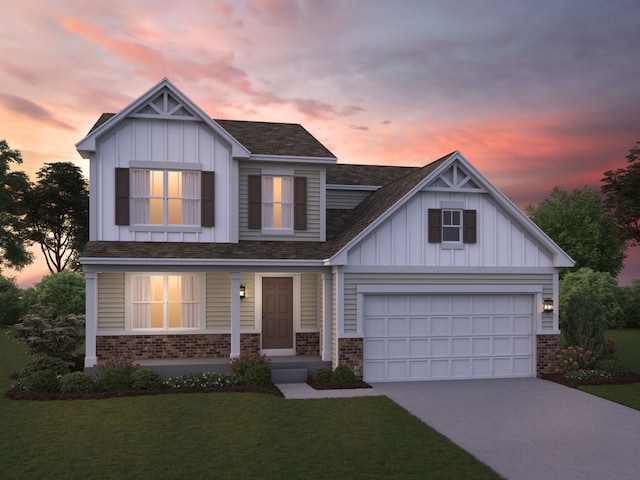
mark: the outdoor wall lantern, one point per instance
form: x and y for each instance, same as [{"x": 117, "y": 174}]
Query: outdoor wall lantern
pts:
[
  {"x": 547, "y": 305},
  {"x": 243, "y": 292}
]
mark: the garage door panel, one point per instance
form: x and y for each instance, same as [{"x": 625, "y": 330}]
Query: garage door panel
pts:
[{"x": 428, "y": 337}]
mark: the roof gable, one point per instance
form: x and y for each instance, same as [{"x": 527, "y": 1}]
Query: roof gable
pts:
[{"x": 162, "y": 101}]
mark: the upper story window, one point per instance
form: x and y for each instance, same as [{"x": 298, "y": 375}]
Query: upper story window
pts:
[
  {"x": 165, "y": 302},
  {"x": 452, "y": 227},
  {"x": 165, "y": 197},
  {"x": 159, "y": 198},
  {"x": 277, "y": 202}
]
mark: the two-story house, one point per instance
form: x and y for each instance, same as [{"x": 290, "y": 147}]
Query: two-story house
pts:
[{"x": 209, "y": 238}]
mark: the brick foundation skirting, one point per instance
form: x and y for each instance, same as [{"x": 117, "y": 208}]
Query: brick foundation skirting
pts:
[
  {"x": 308, "y": 343},
  {"x": 249, "y": 343},
  {"x": 142, "y": 347},
  {"x": 350, "y": 354},
  {"x": 546, "y": 348}
]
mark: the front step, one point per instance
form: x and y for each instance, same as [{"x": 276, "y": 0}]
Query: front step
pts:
[{"x": 289, "y": 375}]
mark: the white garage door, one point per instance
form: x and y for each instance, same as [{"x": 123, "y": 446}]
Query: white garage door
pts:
[{"x": 437, "y": 337}]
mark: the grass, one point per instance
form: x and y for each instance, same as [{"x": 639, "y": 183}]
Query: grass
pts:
[
  {"x": 629, "y": 353},
  {"x": 220, "y": 435}
]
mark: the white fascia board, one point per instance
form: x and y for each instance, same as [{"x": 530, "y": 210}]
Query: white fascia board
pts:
[
  {"x": 344, "y": 186},
  {"x": 451, "y": 289},
  {"x": 88, "y": 144},
  {"x": 292, "y": 159},
  {"x": 431, "y": 270},
  {"x": 89, "y": 261}
]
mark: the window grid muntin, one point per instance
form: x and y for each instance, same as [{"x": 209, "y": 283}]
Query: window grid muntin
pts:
[
  {"x": 277, "y": 202},
  {"x": 451, "y": 225}
]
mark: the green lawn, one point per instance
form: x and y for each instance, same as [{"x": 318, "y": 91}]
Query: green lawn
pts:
[
  {"x": 629, "y": 354},
  {"x": 243, "y": 435}
]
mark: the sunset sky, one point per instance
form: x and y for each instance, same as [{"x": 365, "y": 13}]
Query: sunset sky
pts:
[{"x": 534, "y": 93}]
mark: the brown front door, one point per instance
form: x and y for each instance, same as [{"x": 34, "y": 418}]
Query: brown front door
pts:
[{"x": 277, "y": 312}]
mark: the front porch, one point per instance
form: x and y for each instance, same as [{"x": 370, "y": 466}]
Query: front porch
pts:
[{"x": 287, "y": 369}]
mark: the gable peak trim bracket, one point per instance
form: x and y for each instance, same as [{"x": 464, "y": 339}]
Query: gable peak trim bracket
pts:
[{"x": 455, "y": 178}]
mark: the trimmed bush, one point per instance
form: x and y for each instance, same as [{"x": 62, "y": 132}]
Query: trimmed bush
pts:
[
  {"x": 258, "y": 376},
  {"x": 241, "y": 364},
  {"x": 114, "y": 380},
  {"x": 343, "y": 374},
  {"x": 612, "y": 366},
  {"x": 322, "y": 375},
  {"x": 584, "y": 323},
  {"x": 42, "y": 381},
  {"x": 145, "y": 380},
  {"x": 77, "y": 382},
  {"x": 41, "y": 362}
]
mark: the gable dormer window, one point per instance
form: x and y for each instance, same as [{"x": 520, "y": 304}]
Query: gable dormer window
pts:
[
  {"x": 277, "y": 203},
  {"x": 452, "y": 226}
]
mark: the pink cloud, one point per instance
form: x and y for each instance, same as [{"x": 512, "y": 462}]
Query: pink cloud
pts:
[{"x": 27, "y": 108}]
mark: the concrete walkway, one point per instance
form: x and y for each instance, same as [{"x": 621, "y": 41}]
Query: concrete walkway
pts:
[
  {"x": 528, "y": 429},
  {"x": 303, "y": 390}
]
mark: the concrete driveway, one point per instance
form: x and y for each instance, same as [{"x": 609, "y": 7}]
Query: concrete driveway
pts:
[{"x": 528, "y": 428}]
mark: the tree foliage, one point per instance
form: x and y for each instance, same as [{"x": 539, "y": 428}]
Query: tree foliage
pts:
[
  {"x": 11, "y": 300},
  {"x": 621, "y": 188},
  {"x": 599, "y": 285},
  {"x": 62, "y": 293},
  {"x": 13, "y": 185},
  {"x": 582, "y": 226},
  {"x": 584, "y": 324},
  {"x": 57, "y": 213},
  {"x": 631, "y": 300}
]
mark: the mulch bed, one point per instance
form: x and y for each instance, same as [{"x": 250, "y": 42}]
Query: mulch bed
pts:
[
  {"x": 23, "y": 395},
  {"x": 630, "y": 377}
]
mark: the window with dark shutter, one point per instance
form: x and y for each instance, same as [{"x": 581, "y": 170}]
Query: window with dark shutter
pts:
[
  {"x": 300, "y": 203},
  {"x": 207, "y": 203},
  {"x": 122, "y": 196},
  {"x": 435, "y": 225},
  {"x": 469, "y": 226},
  {"x": 255, "y": 202}
]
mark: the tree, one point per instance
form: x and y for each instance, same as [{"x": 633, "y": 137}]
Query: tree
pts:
[
  {"x": 10, "y": 299},
  {"x": 622, "y": 195},
  {"x": 57, "y": 213},
  {"x": 600, "y": 285},
  {"x": 631, "y": 296},
  {"x": 62, "y": 293},
  {"x": 584, "y": 324},
  {"x": 582, "y": 226},
  {"x": 13, "y": 185}
]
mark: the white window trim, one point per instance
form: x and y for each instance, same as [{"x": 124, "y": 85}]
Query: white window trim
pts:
[
  {"x": 448, "y": 244},
  {"x": 128, "y": 298}
]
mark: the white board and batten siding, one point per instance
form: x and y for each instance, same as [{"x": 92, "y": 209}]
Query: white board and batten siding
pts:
[
  {"x": 401, "y": 240},
  {"x": 165, "y": 143}
]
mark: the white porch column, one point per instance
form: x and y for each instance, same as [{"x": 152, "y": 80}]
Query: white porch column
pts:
[
  {"x": 91, "y": 318},
  {"x": 235, "y": 314},
  {"x": 327, "y": 327}
]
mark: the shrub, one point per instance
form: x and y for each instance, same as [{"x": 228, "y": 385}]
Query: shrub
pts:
[
  {"x": 203, "y": 380},
  {"x": 584, "y": 323},
  {"x": 571, "y": 359},
  {"x": 240, "y": 364},
  {"x": 62, "y": 293},
  {"x": 42, "y": 381},
  {"x": 10, "y": 299},
  {"x": 116, "y": 363},
  {"x": 114, "y": 380},
  {"x": 582, "y": 375},
  {"x": 322, "y": 375},
  {"x": 77, "y": 382},
  {"x": 59, "y": 337},
  {"x": 258, "y": 376},
  {"x": 39, "y": 363},
  {"x": 612, "y": 366},
  {"x": 343, "y": 374},
  {"x": 145, "y": 380}
]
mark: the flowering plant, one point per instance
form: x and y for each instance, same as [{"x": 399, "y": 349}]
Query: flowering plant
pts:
[
  {"x": 240, "y": 364},
  {"x": 571, "y": 359},
  {"x": 202, "y": 380}
]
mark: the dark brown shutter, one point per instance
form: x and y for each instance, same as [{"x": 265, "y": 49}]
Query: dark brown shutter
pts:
[
  {"x": 122, "y": 196},
  {"x": 207, "y": 199},
  {"x": 300, "y": 203},
  {"x": 255, "y": 202},
  {"x": 435, "y": 225},
  {"x": 469, "y": 226}
]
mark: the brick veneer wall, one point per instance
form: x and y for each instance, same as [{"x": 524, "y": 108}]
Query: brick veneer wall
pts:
[
  {"x": 249, "y": 343},
  {"x": 140, "y": 347},
  {"x": 350, "y": 354},
  {"x": 308, "y": 343},
  {"x": 546, "y": 348}
]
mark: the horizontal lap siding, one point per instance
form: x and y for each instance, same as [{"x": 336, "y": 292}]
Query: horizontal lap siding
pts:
[
  {"x": 309, "y": 311},
  {"x": 218, "y": 301},
  {"x": 111, "y": 305},
  {"x": 345, "y": 199},
  {"x": 247, "y": 306},
  {"x": 352, "y": 280}
]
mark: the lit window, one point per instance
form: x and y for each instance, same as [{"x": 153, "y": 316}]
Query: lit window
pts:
[
  {"x": 277, "y": 202},
  {"x": 165, "y": 302},
  {"x": 165, "y": 197},
  {"x": 451, "y": 225}
]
